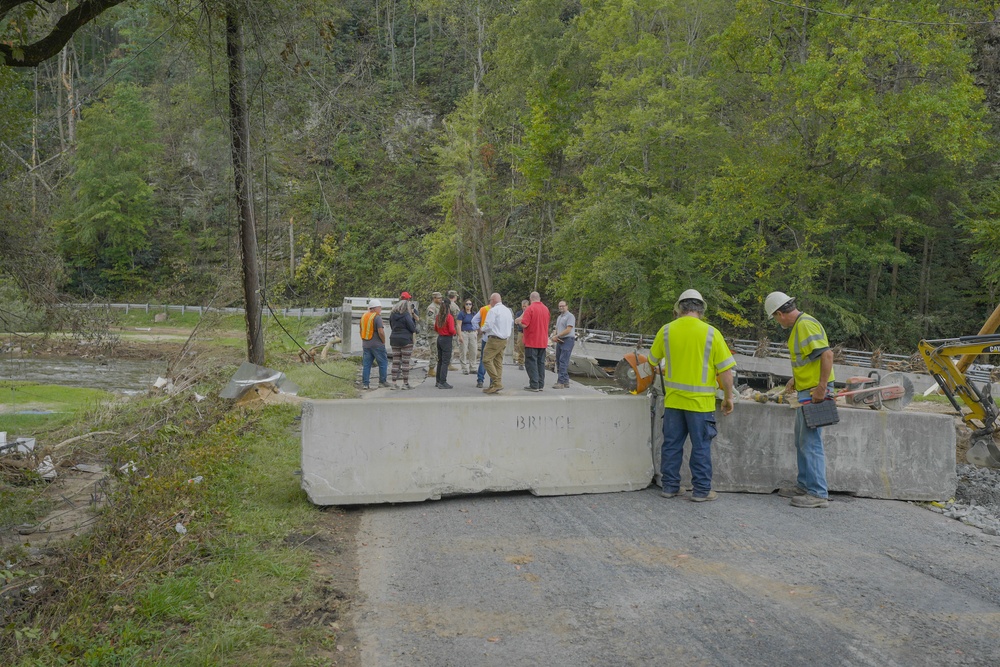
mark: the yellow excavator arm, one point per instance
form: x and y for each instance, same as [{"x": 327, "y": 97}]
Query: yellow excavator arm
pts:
[{"x": 983, "y": 417}]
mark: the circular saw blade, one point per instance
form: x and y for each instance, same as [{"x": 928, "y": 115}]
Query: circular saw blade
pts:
[
  {"x": 625, "y": 374},
  {"x": 897, "y": 404}
]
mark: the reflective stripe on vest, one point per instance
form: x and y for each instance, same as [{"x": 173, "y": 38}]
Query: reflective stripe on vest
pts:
[
  {"x": 368, "y": 325},
  {"x": 706, "y": 361},
  {"x": 797, "y": 345}
]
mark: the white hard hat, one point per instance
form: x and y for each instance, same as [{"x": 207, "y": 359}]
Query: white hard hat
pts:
[
  {"x": 690, "y": 294},
  {"x": 774, "y": 301},
  {"x": 374, "y": 303}
]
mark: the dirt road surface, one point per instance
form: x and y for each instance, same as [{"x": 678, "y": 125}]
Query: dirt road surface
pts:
[{"x": 636, "y": 579}]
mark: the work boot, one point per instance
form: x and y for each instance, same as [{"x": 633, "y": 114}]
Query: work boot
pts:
[
  {"x": 479, "y": 385},
  {"x": 672, "y": 494},
  {"x": 791, "y": 492},
  {"x": 394, "y": 387},
  {"x": 445, "y": 385},
  {"x": 530, "y": 388},
  {"x": 365, "y": 387},
  {"x": 494, "y": 389},
  {"x": 383, "y": 384},
  {"x": 520, "y": 367},
  {"x": 809, "y": 500},
  {"x": 431, "y": 372},
  {"x": 712, "y": 495}
]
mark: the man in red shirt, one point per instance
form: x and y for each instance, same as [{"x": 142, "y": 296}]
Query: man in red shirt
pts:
[{"x": 535, "y": 322}]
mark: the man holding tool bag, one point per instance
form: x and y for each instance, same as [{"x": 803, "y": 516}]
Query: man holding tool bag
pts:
[{"x": 812, "y": 377}]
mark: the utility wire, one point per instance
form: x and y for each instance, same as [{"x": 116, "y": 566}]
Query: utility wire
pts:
[{"x": 876, "y": 18}]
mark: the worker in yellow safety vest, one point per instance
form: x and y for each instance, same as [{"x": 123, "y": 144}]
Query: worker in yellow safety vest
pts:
[
  {"x": 693, "y": 358},
  {"x": 812, "y": 377}
]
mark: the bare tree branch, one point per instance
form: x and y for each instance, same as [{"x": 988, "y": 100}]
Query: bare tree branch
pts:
[{"x": 34, "y": 54}]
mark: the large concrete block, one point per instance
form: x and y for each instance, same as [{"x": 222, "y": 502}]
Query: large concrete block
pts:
[
  {"x": 875, "y": 454},
  {"x": 391, "y": 450}
]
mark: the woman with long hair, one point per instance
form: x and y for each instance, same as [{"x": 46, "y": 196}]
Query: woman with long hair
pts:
[
  {"x": 444, "y": 325},
  {"x": 403, "y": 326}
]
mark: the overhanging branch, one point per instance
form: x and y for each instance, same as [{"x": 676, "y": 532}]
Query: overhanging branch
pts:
[{"x": 34, "y": 54}]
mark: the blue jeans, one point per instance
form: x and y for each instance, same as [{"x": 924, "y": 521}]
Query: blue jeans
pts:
[
  {"x": 809, "y": 453},
  {"x": 370, "y": 354},
  {"x": 563, "y": 350},
  {"x": 534, "y": 363},
  {"x": 481, "y": 373},
  {"x": 677, "y": 426}
]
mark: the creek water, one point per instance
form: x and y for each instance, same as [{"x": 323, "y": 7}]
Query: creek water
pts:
[{"x": 120, "y": 375}]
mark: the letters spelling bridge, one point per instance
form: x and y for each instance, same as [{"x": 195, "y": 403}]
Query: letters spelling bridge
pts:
[{"x": 600, "y": 344}]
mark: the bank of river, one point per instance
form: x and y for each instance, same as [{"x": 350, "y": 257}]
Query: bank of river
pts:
[{"x": 124, "y": 376}]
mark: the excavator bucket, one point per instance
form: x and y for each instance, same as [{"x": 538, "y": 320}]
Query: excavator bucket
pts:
[
  {"x": 633, "y": 373},
  {"x": 984, "y": 452}
]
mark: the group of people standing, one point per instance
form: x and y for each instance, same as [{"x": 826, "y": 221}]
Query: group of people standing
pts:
[
  {"x": 693, "y": 359},
  {"x": 481, "y": 334}
]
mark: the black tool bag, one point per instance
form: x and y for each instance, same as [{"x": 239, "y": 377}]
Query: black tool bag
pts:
[{"x": 820, "y": 414}]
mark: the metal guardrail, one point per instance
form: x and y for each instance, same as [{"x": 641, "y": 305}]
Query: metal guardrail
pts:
[
  {"x": 751, "y": 348},
  {"x": 201, "y": 310}
]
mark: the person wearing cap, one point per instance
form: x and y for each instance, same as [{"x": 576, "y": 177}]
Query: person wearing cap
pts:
[
  {"x": 454, "y": 309},
  {"x": 812, "y": 379},
  {"x": 564, "y": 338},
  {"x": 373, "y": 345},
  {"x": 695, "y": 358},
  {"x": 402, "y": 327},
  {"x": 429, "y": 317}
]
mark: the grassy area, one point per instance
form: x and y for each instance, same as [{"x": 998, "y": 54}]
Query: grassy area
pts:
[
  {"x": 64, "y": 404},
  {"x": 226, "y": 589}
]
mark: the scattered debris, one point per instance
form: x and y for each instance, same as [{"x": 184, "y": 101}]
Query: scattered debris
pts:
[
  {"x": 252, "y": 382},
  {"x": 47, "y": 469},
  {"x": 128, "y": 468},
  {"x": 195, "y": 480},
  {"x": 181, "y": 530},
  {"x": 977, "y": 499},
  {"x": 18, "y": 445},
  {"x": 88, "y": 467}
]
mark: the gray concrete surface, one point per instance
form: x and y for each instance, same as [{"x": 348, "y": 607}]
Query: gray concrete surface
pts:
[
  {"x": 876, "y": 454},
  {"x": 428, "y": 443},
  {"x": 579, "y": 440},
  {"x": 634, "y": 579}
]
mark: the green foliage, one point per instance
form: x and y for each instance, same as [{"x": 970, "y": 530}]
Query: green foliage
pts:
[{"x": 105, "y": 231}]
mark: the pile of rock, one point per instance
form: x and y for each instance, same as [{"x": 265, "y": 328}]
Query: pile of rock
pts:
[
  {"x": 332, "y": 328},
  {"x": 977, "y": 499}
]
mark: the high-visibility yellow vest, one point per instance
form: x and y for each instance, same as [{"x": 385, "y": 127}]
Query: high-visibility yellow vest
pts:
[
  {"x": 806, "y": 336},
  {"x": 368, "y": 325},
  {"x": 693, "y": 353}
]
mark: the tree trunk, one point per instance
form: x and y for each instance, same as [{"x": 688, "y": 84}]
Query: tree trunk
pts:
[
  {"x": 895, "y": 264},
  {"x": 240, "y": 136},
  {"x": 291, "y": 249}
]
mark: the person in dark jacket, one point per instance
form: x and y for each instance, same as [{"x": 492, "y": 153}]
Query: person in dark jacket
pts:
[{"x": 402, "y": 326}]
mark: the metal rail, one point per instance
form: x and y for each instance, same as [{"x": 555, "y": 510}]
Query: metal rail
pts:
[{"x": 753, "y": 348}]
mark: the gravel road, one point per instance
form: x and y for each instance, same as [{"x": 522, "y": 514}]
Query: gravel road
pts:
[{"x": 636, "y": 579}]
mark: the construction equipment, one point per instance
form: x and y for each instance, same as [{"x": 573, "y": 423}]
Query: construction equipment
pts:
[
  {"x": 634, "y": 373},
  {"x": 893, "y": 392},
  {"x": 983, "y": 412}
]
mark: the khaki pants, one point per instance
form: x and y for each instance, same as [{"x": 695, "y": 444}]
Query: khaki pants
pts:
[
  {"x": 493, "y": 360},
  {"x": 519, "y": 348},
  {"x": 432, "y": 342},
  {"x": 467, "y": 354}
]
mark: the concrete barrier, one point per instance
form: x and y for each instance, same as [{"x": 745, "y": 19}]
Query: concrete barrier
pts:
[
  {"x": 393, "y": 450},
  {"x": 875, "y": 454}
]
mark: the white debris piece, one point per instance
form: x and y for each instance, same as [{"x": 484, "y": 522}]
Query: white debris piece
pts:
[
  {"x": 181, "y": 530},
  {"x": 47, "y": 469},
  {"x": 128, "y": 467}
]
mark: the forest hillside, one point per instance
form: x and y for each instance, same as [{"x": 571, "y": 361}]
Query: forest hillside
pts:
[{"x": 611, "y": 153}]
